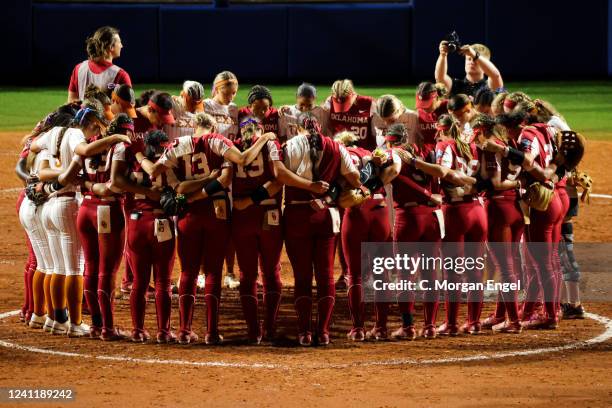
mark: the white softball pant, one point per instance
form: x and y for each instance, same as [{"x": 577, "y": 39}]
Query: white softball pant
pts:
[
  {"x": 59, "y": 221},
  {"x": 31, "y": 220}
]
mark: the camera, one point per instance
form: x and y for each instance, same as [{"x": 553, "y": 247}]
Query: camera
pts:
[{"x": 454, "y": 43}]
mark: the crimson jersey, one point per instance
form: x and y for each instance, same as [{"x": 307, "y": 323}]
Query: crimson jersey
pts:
[
  {"x": 195, "y": 157},
  {"x": 258, "y": 172},
  {"x": 269, "y": 122},
  {"x": 127, "y": 153},
  {"x": 496, "y": 162},
  {"x": 142, "y": 125},
  {"x": 96, "y": 169},
  {"x": 537, "y": 140},
  {"x": 358, "y": 119},
  {"x": 402, "y": 192},
  {"x": 427, "y": 125},
  {"x": 452, "y": 158}
]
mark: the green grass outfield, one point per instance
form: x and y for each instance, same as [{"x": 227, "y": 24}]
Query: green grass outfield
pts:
[{"x": 587, "y": 105}]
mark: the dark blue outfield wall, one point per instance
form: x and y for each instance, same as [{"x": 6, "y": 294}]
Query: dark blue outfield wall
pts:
[{"x": 294, "y": 42}]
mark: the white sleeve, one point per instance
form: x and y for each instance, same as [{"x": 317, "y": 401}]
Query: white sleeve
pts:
[
  {"x": 182, "y": 146},
  {"x": 43, "y": 140},
  {"x": 274, "y": 152},
  {"x": 297, "y": 157},
  {"x": 558, "y": 123},
  {"x": 346, "y": 163},
  {"x": 447, "y": 158},
  {"x": 119, "y": 152},
  {"x": 75, "y": 138},
  {"x": 219, "y": 146},
  {"x": 395, "y": 158},
  {"x": 378, "y": 129},
  {"x": 411, "y": 122}
]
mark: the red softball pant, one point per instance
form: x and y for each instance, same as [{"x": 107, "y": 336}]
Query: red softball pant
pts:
[
  {"x": 465, "y": 222},
  {"x": 202, "y": 240},
  {"x": 506, "y": 227},
  {"x": 419, "y": 224},
  {"x": 310, "y": 242},
  {"x": 145, "y": 252},
  {"x": 258, "y": 242},
  {"x": 102, "y": 253},
  {"x": 368, "y": 222},
  {"x": 544, "y": 273}
]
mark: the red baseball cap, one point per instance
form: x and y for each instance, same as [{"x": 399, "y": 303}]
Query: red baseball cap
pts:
[
  {"x": 424, "y": 101},
  {"x": 342, "y": 104},
  {"x": 164, "y": 114}
]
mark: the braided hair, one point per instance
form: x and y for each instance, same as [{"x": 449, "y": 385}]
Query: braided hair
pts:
[
  {"x": 259, "y": 92},
  {"x": 312, "y": 125}
]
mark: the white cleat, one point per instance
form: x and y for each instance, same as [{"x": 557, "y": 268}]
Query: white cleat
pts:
[
  {"x": 78, "y": 330},
  {"x": 37, "y": 322},
  {"x": 48, "y": 326},
  {"x": 60, "y": 328},
  {"x": 231, "y": 282}
]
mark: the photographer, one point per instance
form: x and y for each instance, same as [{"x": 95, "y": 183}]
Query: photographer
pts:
[{"x": 477, "y": 65}]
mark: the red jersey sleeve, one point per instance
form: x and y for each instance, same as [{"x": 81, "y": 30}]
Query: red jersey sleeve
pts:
[
  {"x": 74, "y": 79},
  {"x": 123, "y": 78}
]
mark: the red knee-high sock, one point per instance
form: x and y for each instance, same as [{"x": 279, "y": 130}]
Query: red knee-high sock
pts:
[
  {"x": 212, "y": 314},
  {"x": 382, "y": 314},
  {"x": 325, "y": 308},
  {"x": 303, "y": 309},
  {"x": 138, "y": 305},
  {"x": 163, "y": 305},
  {"x": 356, "y": 305},
  {"x": 272, "y": 301},
  {"x": 430, "y": 312},
  {"x": 90, "y": 284}
]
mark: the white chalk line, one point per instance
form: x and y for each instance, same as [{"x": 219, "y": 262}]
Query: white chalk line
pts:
[{"x": 603, "y": 337}]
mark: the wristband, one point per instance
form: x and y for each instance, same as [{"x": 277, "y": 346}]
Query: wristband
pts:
[
  {"x": 561, "y": 171},
  {"x": 515, "y": 156},
  {"x": 260, "y": 194},
  {"x": 213, "y": 187},
  {"x": 413, "y": 162},
  {"x": 482, "y": 185}
]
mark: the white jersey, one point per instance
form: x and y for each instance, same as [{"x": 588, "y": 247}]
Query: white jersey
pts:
[
  {"x": 87, "y": 77},
  {"x": 225, "y": 115},
  {"x": 297, "y": 158},
  {"x": 60, "y": 159},
  {"x": 408, "y": 118},
  {"x": 558, "y": 123},
  {"x": 288, "y": 121},
  {"x": 184, "y": 124}
]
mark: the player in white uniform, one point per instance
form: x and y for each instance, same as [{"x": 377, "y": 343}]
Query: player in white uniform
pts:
[
  {"x": 290, "y": 116},
  {"x": 184, "y": 109},
  {"x": 390, "y": 110},
  {"x": 225, "y": 112},
  {"x": 222, "y": 107},
  {"x": 58, "y": 147}
]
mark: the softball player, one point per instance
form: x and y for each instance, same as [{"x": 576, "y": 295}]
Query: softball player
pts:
[
  {"x": 311, "y": 238},
  {"x": 506, "y": 222},
  {"x": 102, "y": 48},
  {"x": 291, "y": 116},
  {"x": 430, "y": 104},
  {"x": 368, "y": 222},
  {"x": 150, "y": 241},
  {"x": 260, "y": 107},
  {"x": 204, "y": 229},
  {"x": 184, "y": 109},
  {"x": 60, "y": 144},
  {"x": 225, "y": 112},
  {"x": 462, "y": 110},
  {"x": 123, "y": 100},
  {"x": 350, "y": 111},
  {"x": 100, "y": 224},
  {"x": 465, "y": 221},
  {"x": 390, "y": 110},
  {"x": 257, "y": 230}
]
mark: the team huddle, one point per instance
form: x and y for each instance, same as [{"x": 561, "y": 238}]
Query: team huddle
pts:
[{"x": 109, "y": 177}]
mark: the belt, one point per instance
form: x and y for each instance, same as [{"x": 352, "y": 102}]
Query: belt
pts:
[
  {"x": 268, "y": 201},
  {"x": 297, "y": 202},
  {"x": 378, "y": 196},
  {"x": 416, "y": 203},
  {"x": 108, "y": 199},
  {"x": 67, "y": 194},
  {"x": 154, "y": 211},
  {"x": 464, "y": 199}
]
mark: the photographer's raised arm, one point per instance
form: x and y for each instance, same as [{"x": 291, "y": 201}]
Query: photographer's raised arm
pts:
[
  {"x": 495, "y": 80},
  {"x": 441, "y": 72}
]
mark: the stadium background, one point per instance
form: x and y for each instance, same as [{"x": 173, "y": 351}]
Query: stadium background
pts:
[{"x": 560, "y": 51}]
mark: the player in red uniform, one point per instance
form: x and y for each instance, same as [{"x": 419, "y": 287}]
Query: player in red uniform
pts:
[
  {"x": 367, "y": 222},
  {"x": 462, "y": 110},
  {"x": 150, "y": 233},
  {"x": 312, "y": 162},
  {"x": 100, "y": 225},
  {"x": 506, "y": 223},
  {"x": 260, "y": 107},
  {"x": 204, "y": 229},
  {"x": 102, "y": 47},
  {"x": 465, "y": 221},
  {"x": 350, "y": 111},
  {"x": 430, "y": 104},
  {"x": 257, "y": 229},
  {"x": 153, "y": 115},
  {"x": 535, "y": 144}
]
